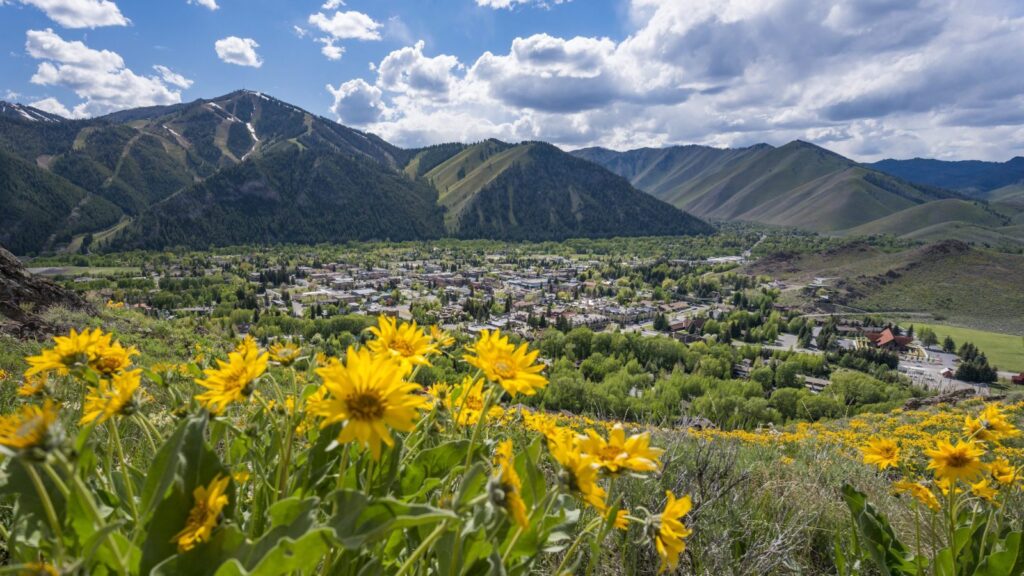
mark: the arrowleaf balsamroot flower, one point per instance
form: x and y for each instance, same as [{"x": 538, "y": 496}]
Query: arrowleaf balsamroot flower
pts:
[
  {"x": 502, "y": 362},
  {"x": 78, "y": 350},
  {"x": 622, "y": 453},
  {"x": 511, "y": 484},
  {"x": 111, "y": 357},
  {"x": 881, "y": 452},
  {"x": 369, "y": 394},
  {"x": 670, "y": 541},
  {"x": 579, "y": 471},
  {"x": 406, "y": 343},
  {"x": 111, "y": 397},
  {"x": 285, "y": 354},
  {"x": 208, "y": 502},
  {"x": 28, "y": 428},
  {"x": 1003, "y": 472},
  {"x": 232, "y": 381},
  {"x": 959, "y": 462},
  {"x": 441, "y": 338},
  {"x": 991, "y": 425},
  {"x": 920, "y": 492},
  {"x": 33, "y": 385}
]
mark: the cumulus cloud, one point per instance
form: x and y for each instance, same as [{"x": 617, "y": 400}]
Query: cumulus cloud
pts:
[
  {"x": 349, "y": 25},
  {"x": 211, "y": 4},
  {"x": 53, "y": 106},
  {"x": 357, "y": 102},
  {"x": 240, "y": 51},
  {"x": 171, "y": 77},
  {"x": 331, "y": 50},
  {"x": 80, "y": 13},
  {"x": 99, "y": 77},
  {"x": 865, "y": 77}
]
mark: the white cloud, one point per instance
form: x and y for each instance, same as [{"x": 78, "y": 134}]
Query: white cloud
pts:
[
  {"x": 357, "y": 102},
  {"x": 867, "y": 78},
  {"x": 331, "y": 50},
  {"x": 408, "y": 71},
  {"x": 509, "y": 4},
  {"x": 300, "y": 31},
  {"x": 53, "y": 106},
  {"x": 11, "y": 96},
  {"x": 99, "y": 77},
  {"x": 349, "y": 25},
  {"x": 171, "y": 77},
  {"x": 81, "y": 13},
  {"x": 211, "y": 4},
  {"x": 240, "y": 51},
  {"x": 333, "y": 4}
]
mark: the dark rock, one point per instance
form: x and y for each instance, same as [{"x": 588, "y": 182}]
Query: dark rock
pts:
[{"x": 23, "y": 296}]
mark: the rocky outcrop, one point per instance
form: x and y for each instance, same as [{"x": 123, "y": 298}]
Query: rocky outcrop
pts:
[{"x": 23, "y": 296}]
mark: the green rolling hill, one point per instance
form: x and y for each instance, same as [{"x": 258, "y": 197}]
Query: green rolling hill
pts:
[
  {"x": 967, "y": 220},
  {"x": 799, "y": 184},
  {"x": 534, "y": 191}
]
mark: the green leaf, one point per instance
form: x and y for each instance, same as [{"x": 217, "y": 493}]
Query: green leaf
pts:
[
  {"x": 891, "y": 556},
  {"x": 182, "y": 464},
  {"x": 286, "y": 556},
  {"x": 361, "y": 521},
  {"x": 1007, "y": 562}
]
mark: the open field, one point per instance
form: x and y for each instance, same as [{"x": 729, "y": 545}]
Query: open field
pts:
[{"x": 1003, "y": 350}]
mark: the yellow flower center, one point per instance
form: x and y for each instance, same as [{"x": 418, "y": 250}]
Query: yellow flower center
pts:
[
  {"x": 366, "y": 406},
  {"x": 958, "y": 460},
  {"x": 504, "y": 369},
  {"x": 474, "y": 402},
  {"x": 610, "y": 452},
  {"x": 403, "y": 347}
]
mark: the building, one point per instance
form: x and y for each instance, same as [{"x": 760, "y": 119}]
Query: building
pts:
[{"x": 887, "y": 340}]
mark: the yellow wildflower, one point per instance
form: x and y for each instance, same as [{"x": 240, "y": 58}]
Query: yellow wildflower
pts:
[
  {"x": 982, "y": 489},
  {"x": 232, "y": 380},
  {"x": 920, "y": 492},
  {"x": 209, "y": 501},
  {"x": 580, "y": 472},
  {"x": 502, "y": 362},
  {"x": 406, "y": 343},
  {"x": 511, "y": 485},
  {"x": 622, "y": 520},
  {"x": 3, "y": 375},
  {"x": 33, "y": 385},
  {"x": 39, "y": 569},
  {"x": 990, "y": 426},
  {"x": 111, "y": 397},
  {"x": 75, "y": 350},
  {"x": 28, "y": 428},
  {"x": 618, "y": 452},
  {"x": 1003, "y": 472},
  {"x": 441, "y": 338},
  {"x": 285, "y": 354},
  {"x": 111, "y": 357},
  {"x": 368, "y": 394},
  {"x": 470, "y": 403},
  {"x": 881, "y": 452},
  {"x": 670, "y": 541},
  {"x": 440, "y": 395},
  {"x": 959, "y": 462}
]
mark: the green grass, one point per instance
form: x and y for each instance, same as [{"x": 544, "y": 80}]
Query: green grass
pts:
[{"x": 1005, "y": 351}]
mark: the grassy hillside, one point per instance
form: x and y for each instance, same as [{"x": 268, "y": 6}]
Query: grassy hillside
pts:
[
  {"x": 797, "y": 185},
  {"x": 1003, "y": 350},
  {"x": 534, "y": 191},
  {"x": 952, "y": 219},
  {"x": 961, "y": 284}
]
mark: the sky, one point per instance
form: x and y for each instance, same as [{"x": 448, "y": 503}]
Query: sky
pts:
[{"x": 869, "y": 79}]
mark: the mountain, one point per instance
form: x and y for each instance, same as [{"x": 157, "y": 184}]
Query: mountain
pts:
[
  {"x": 292, "y": 195},
  {"x": 41, "y": 209},
  {"x": 799, "y": 184},
  {"x": 535, "y": 191},
  {"x": 967, "y": 220},
  {"x": 246, "y": 167},
  {"x": 971, "y": 177},
  {"x": 28, "y": 113}
]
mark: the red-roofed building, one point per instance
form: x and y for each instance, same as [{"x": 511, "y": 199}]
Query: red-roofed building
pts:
[{"x": 887, "y": 340}]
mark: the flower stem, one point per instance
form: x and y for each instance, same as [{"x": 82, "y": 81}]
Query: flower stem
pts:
[
  {"x": 422, "y": 548},
  {"x": 48, "y": 509},
  {"x": 479, "y": 424},
  {"x": 126, "y": 473}
]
